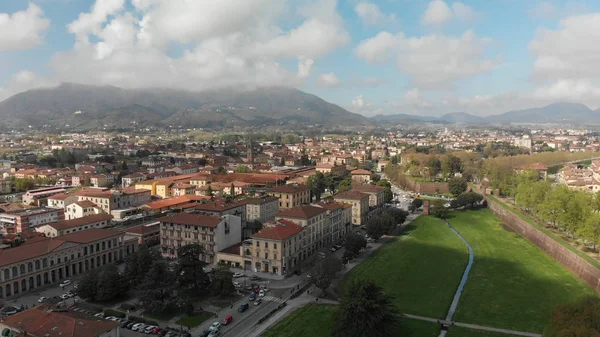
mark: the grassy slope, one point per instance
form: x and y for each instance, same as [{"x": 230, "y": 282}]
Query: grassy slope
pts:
[
  {"x": 465, "y": 332},
  {"x": 555, "y": 237},
  {"x": 311, "y": 320},
  {"x": 513, "y": 284},
  {"x": 421, "y": 268}
]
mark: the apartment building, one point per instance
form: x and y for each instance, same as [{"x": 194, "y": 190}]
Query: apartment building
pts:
[
  {"x": 145, "y": 234},
  {"x": 61, "y": 200},
  {"x": 110, "y": 200},
  {"x": 38, "y": 196},
  {"x": 64, "y": 227},
  {"x": 212, "y": 233},
  {"x": 131, "y": 179},
  {"x": 80, "y": 209},
  {"x": 361, "y": 176},
  {"x": 16, "y": 221},
  {"x": 376, "y": 194},
  {"x": 276, "y": 248},
  {"x": 220, "y": 207},
  {"x": 42, "y": 261},
  {"x": 314, "y": 221},
  {"x": 291, "y": 195},
  {"x": 360, "y": 205},
  {"x": 339, "y": 215},
  {"x": 262, "y": 209}
]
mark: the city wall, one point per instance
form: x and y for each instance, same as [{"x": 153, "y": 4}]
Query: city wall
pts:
[
  {"x": 577, "y": 265},
  {"x": 428, "y": 188}
]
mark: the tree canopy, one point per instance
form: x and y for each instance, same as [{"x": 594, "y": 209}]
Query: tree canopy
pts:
[
  {"x": 579, "y": 319},
  {"x": 457, "y": 186}
]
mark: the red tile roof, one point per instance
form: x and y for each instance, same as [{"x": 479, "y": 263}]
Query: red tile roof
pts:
[
  {"x": 301, "y": 212},
  {"x": 90, "y": 235},
  {"x": 218, "y": 206},
  {"x": 60, "y": 196},
  {"x": 283, "y": 230},
  {"x": 367, "y": 188},
  {"x": 192, "y": 219},
  {"x": 360, "y": 172},
  {"x": 351, "y": 195},
  {"x": 90, "y": 219},
  {"x": 143, "y": 229},
  {"x": 29, "y": 250},
  {"x": 40, "y": 321},
  {"x": 85, "y": 203},
  {"x": 289, "y": 188}
]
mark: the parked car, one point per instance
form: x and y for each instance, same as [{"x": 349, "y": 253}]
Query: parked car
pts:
[
  {"x": 138, "y": 327},
  {"x": 70, "y": 294},
  {"x": 99, "y": 315},
  {"x": 150, "y": 328},
  {"x": 214, "y": 333},
  {"x": 215, "y": 326},
  {"x": 43, "y": 299},
  {"x": 237, "y": 284},
  {"x": 65, "y": 283},
  {"x": 338, "y": 246},
  {"x": 130, "y": 325},
  {"x": 236, "y": 275},
  {"x": 261, "y": 293},
  {"x": 64, "y": 296},
  {"x": 157, "y": 331},
  {"x": 243, "y": 307},
  {"x": 124, "y": 324},
  {"x": 205, "y": 333},
  {"x": 227, "y": 320},
  {"x": 332, "y": 249},
  {"x": 322, "y": 255},
  {"x": 254, "y": 278},
  {"x": 258, "y": 301}
]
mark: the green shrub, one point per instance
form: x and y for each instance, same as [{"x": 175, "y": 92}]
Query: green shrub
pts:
[{"x": 110, "y": 312}]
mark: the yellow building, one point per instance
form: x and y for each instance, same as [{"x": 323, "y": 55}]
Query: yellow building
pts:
[
  {"x": 275, "y": 248},
  {"x": 360, "y": 205},
  {"x": 291, "y": 195}
]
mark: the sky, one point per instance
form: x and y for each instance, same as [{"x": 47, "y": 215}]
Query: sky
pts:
[{"x": 371, "y": 57}]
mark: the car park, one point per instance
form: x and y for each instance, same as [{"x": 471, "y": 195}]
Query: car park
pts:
[{"x": 243, "y": 307}]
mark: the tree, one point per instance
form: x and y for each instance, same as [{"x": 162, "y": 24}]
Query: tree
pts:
[
  {"x": 399, "y": 215},
  {"x": 110, "y": 284},
  {"x": 457, "y": 186},
  {"x": 232, "y": 190},
  {"x": 438, "y": 209},
  {"x": 254, "y": 226},
  {"x": 415, "y": 205},
  {"x": 354, "y": 243},
  {"x": 375, "y": 177},
  {"x": 157, "y": 288},
  {"x": 88, "y": 285},
  {"x": 221, "y": 170},
  {"x": 579, "y": 319},
  {"x": 434, "y": 165},
  {"x": 365, "y": 300},
  {"x": 138, "y": 264},
  {"x": 380, "y": 225},
  {"x": 325, "y": 271},
  {"x": 190, "y": 269},
  {"x": 345, "y": 185},
  {"x": 209, "y": 191},
  {"x": 242, "y": 169},
  {"x": 388, "y": 196},
  {"x": 317, "y": 185},
  {"x": 222, "y": 283},
  {"x": 124, "y": 166}
]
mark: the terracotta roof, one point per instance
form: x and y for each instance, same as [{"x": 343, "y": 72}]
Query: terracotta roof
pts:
[
  {"x": 259, "y": 201},
  {"x": 192, "y": 219},
  {"x": 360, "y": 172},
  {"x": 351, "y": 195},
  {"x": 41, "y": 321},
  {"x": 60, "y": 196},
  {"x": 290, "y": 188},
  {"x": 66, "y": 224},
  {"x": 143, "y": 229},
  {"x": 29, "y": 250},
  {"x": 90, "y": 235},
  {"x": 331, "y": 205},
  {"x": 283, "y": 230},
  {"x": 218, "y": 206},
  {"x": 85, "y": 203},
  {"x": 93, "y": 194},
  {"x": 235, "y": 249},
  {"x": 367, "y": 188},
  {"x": 301, "y": 212},
  {"x": 170, "y": 202}
]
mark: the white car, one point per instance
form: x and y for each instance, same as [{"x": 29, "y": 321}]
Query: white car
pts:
[
  {"x": 236, "y": 275},
  {"x": 64, "y": 296},
  {"x": 65, "y": 283},
  {"x": 237, "y": 284},
  {"x": 99, "y": 315},
  {"x": 149, "y": 329},
  {"x": 138, "y": 327},
  {"x": 42, "y": 299},
  {"x": 261, "y": 293},
  {"x": 215, "y": 326}
]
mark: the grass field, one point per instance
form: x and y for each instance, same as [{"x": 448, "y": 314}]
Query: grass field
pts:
[
  {"x": 313, "y": 320},
  {"x": 513, "y": 284},
  {"x": 421, "y": 268},
  {"x": 464, "y": 332},
  {"x": 195, "y": 320}
]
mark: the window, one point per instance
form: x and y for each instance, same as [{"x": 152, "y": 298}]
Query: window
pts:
[
  {"x": 266, "y": 244},
  {"x": 257, "y": 243},
  {"x": 266, "y": 256},
  {"x": 274, "y": 246},
  {"x": 275, "y": 256}
]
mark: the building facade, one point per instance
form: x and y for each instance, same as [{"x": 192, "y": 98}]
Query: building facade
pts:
[
  {"x": 261, "y": 209},
  {"x": 275, "y": 249},
  {"x": 360, "y": 205},
  {"x": 64, "y": 227},
  {"x": 19, "y": 220},
  {"x": 291, "y": 195},
  {"x": 313, "y": 220}
]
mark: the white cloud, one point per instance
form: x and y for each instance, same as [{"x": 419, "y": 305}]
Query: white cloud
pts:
[
  {"x": 544, "y": 10},
  {"x": 571, "y": 51},
  {"x": 377, "y": 48},
  {"x": 129, "y": 47},
  {"x": 22, "y": 81},
  {"x": 439, "y": 13},
  {"x": 23, "y": 29},
  {"x": 371, "y": 15},
  {"x": 433, "y": 60},
  {"x": 328, "y": 80},
  {"x": 305, "y": 67},
  {"x": 359, "y": 102}
]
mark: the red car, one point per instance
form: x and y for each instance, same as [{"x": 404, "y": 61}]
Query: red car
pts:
[
  {"x": 227, "y": 320},
  {"x": 156, "y": 331}
]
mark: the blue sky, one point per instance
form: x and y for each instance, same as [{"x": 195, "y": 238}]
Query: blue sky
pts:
[{"x": 386, "y": 56}]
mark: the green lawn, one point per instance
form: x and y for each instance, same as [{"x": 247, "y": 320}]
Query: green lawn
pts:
[
  {"x": 311, "y": 320},
  {"x": 555, "y": 237},
  {"x": 316, "y": 320},
  {"x": 456, "y": 331},
  {"x": 513, "y": 284},
  {"x": 420, "y": 268},
  {"x": 195, "y": 320}
]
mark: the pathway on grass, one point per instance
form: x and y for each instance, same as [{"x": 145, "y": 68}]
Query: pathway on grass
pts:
[
  {"x": 475, "y": 326},
  {"x": 463, "y": 280}
]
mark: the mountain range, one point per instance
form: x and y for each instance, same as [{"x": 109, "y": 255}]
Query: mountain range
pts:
[{"x": 84, "y": 107}]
